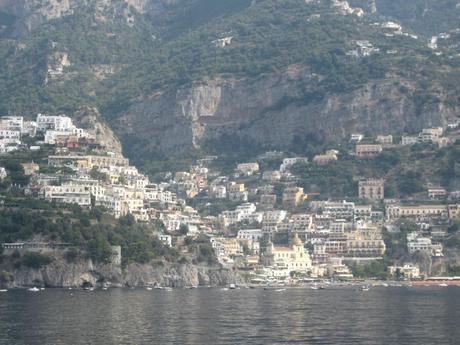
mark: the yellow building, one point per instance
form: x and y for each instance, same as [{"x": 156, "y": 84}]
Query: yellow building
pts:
[
  {"x": 88, "y": 161},
  {"x": 293, "y": 197},
  {"x": 236, "y": 187},
  {"x": 365, "y": 242},
  {"x": 30, "y": 168},
  {"x": 293, "y": 258},
  {"x": 134, "y": 200},
  {"x": 226, "y": 246},
  {"x": 368, "y": 150},
  {"x": 416, "y": 211}
]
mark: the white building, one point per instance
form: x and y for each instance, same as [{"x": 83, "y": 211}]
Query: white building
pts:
[
  {"x": 271, "y": 220},
  {"x": 288, "y": 163},
  {"x": 356, "y": 137},
  {"x": 165, "y": 239},
  {"x": 155, "y": 193},
  {"x": 436, "y": 192},
  {"x": 408, "y": 271},
  {"x": 223, "y": 42},
  {"x": 293, "y": 258},
  {"x": 385, "y": 139},
  {"x": 247, "y": 169},
  {"x": 423, "y": 244},
  {"x": 218, "y": 192},
  {"x": 8, "y": 145},
  {"x": 12, "y": 123},
  {"x": 431, "y": 134},
  {"x": 409, "y": 140},
  {"x": 136, "y": 181},
  {"x": 172, "y": 223},
  {"x": 344, "y": 209},
  {"x": 302, "y": 222},
  {"x": 59, "y": 123},
  {"x": 243, "y": 212},
  {"x": 396, "y": 211},
  {"x": 9, "y": 134},
  {"x": 271, "y": 175},
  {"x": 52, "y": 135},
  {"x": 3, "y": 173},
  {"x": 250, "y": 234},
  {"x": 68, "y": 194}
]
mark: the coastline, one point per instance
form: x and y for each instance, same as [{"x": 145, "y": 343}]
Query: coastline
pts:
[{"x": 60, "y": 274}]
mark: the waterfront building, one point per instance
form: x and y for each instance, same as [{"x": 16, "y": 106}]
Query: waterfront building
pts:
[{"x": 294, "y": 258}]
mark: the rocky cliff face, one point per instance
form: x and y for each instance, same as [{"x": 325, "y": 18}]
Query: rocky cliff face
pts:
[
  {"x": 27, "y": 15},
  {"x": 90, "y": 119},
  {"x": 179, "y": 276},
  {"x": 273, "y": 109},
  {"x": 62, "y": 274}
]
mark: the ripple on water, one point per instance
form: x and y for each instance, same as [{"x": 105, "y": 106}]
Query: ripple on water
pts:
[{"x": 210, "y": 316}]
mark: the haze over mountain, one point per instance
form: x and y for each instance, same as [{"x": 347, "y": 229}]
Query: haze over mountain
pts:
[{"x": 176, "y": 77}]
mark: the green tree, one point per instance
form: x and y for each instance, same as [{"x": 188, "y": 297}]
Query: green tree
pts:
[
  {"x": 100, "y": 250},
  {"x": 36, "y": 260},
  {"x": 183, "y": 230}
]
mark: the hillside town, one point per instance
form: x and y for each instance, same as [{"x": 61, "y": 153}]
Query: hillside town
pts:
[{"x": 257, "y": 220}]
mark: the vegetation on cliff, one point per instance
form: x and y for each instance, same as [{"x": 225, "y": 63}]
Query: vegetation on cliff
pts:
[
  {"x": 406, "y": 171},
  {"x": 91, "y": 233},
  {"x": 173, "y": 48}
]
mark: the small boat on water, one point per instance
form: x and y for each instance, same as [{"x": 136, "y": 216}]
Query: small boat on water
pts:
[
  {"x": 365, "y": 288},
  {"x": 443, "y": 285},
  {"x": 149, "y": 288},
  {"x": 280, "y": 290},
  {"x": 232, "y": 286},
  {"x": 224, "y": 289},
  {"x": 3, "y": 290},
  {"x": 34, "y": 289},
  {"x": 168, "y": 289}
]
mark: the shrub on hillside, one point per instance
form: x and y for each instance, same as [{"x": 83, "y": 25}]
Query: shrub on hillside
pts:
[{"x": 36, "y": 260}]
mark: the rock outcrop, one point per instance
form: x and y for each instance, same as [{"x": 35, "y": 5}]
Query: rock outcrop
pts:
[
  {"x": 179, "y": 276},
  {"x": 90, "y": 119},
  {"x": 62, "y": 274},
  {"x": 27, "y": 15},
  {"x": 272, "y": 109}
]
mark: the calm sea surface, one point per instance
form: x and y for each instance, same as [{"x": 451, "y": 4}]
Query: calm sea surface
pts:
[{"x": 212, "y": 316}]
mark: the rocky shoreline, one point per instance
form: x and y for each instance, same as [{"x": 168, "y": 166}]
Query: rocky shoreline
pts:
[{"x": 60, "y": 274}]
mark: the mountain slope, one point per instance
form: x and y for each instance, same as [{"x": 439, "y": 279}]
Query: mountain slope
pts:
[
  {"x": 428, "y": 17},
  {"x": 312, "y": 69},
  {"x": 174, "y": 77}
]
